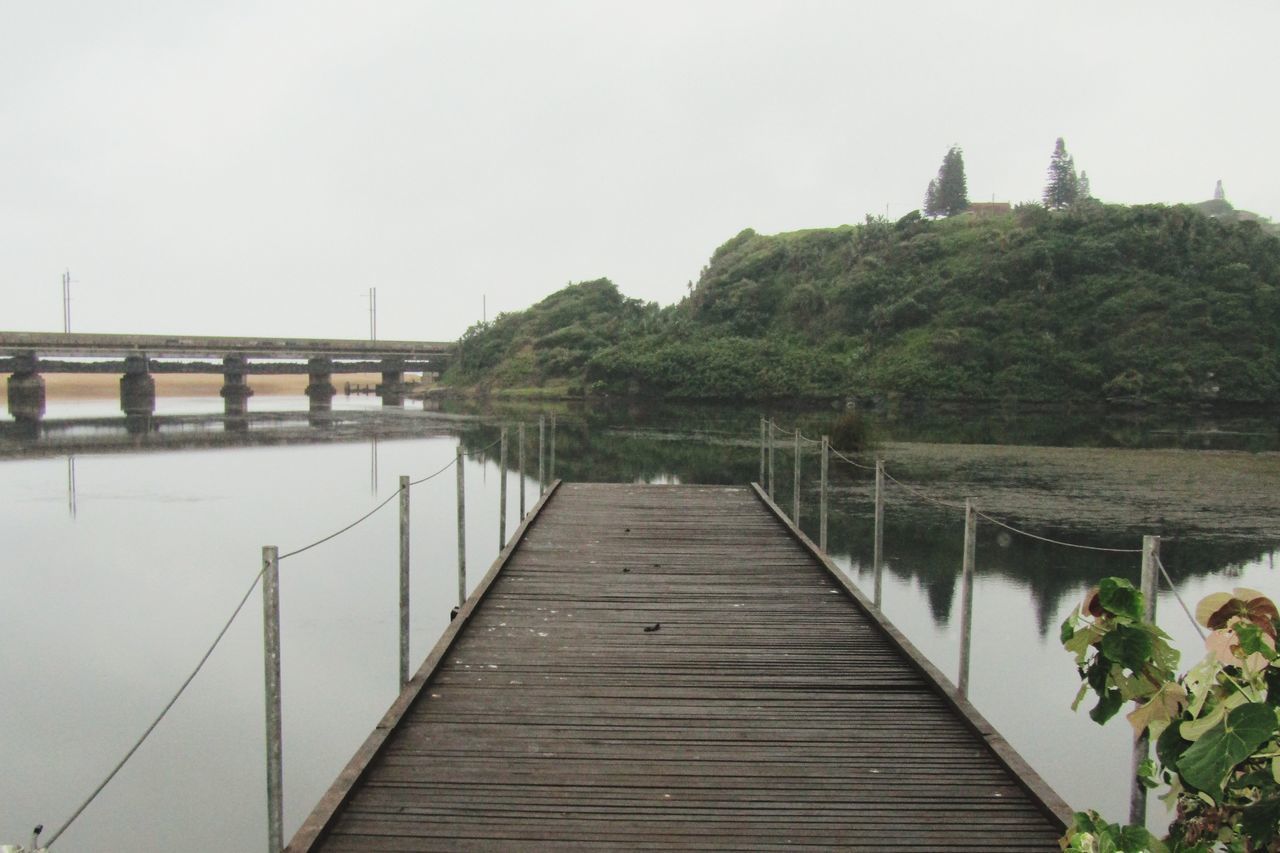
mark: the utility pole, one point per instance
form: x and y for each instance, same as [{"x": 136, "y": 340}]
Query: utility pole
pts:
[
  {"x": 66, "y": 301},
  {"x": 373, "y": 313}
]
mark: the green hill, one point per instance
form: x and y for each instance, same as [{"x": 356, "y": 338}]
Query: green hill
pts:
[{"x": 1093, "y": 303}]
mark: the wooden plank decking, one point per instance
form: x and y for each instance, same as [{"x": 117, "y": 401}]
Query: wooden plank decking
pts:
[{"x": 771, "y": 707}]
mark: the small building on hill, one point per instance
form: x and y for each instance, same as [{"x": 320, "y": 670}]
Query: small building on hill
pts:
[{"x": 987, "y": 209}]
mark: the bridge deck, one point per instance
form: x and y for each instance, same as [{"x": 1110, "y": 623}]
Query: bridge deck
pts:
[{"x": 771, "y": 707}]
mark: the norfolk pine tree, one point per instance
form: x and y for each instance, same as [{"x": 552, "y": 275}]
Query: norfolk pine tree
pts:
[
  {"x": 1063, "y": 188},
  {"x": 948, "y": 194}
]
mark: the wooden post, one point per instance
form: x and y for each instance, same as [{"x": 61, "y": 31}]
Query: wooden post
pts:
[
  {"x": 404, "y": 581},
  {"x": 822, "y": 497},
  {"x": 551, "y": 466},
  {"x": 271, "y": 667},
  {"x": 520, "y": 457},
  {"x": 542, "y": 444},
  {"x": 502, "y": 492},
  {"x": 795, "y": 483},
  {"x": 966, "y": 593},
  {"x": 762, "y": 451},
  {"x": 462, "y": 529},
  {"x": 1142, "y": 746},
  {"x": 877, "y": 553},
  {"x": 771, "y": 443}
]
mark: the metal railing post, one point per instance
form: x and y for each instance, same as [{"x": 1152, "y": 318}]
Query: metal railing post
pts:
[
  {"x": 404, "y": 580},
  {"x": 822, "y": 496},
  {"x": 520, "y": 457},
  {"x": 795, "y": 483},
  {"x": 762, "y": 450},
  {"x": 551, "y": 466},
  {"x": 542, "y": 445},
  {"x": 502, "y": 492},
  {"x": 271, "y": 668},
  {"x": 966, "y": 593},
  {"x": 462, "y": 528},
  {"x": 1142, "y": 746},
  {"x": 771, "y": 443},
  {"x": 877, "y": 553}
]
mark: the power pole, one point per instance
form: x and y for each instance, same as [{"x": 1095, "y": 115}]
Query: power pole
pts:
[
  {"x": 373, "y": 313},
  {"x": 66, "y": 301}
]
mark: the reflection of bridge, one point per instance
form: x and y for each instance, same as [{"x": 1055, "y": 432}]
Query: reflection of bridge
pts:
[{"x": 27, "y": 355}]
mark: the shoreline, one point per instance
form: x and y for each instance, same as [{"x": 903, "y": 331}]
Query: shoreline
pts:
[{"x": 103, "y": 386}]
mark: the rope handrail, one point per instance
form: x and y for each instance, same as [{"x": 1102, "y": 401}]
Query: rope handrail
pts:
[
  {"x": 1178, "y": 596},
  {"x": 1057, "y": 541},
  {"x": 921, "y": 494},
  {"x": 840, "y": 455},
  {"x": 226, "y": 627}
]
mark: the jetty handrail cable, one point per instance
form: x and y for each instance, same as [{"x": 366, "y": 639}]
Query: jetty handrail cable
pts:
[
  {"x": 164, "y": 711},
  {"x": 839, "y": 455},
  {"x": 222, "y": 633},
  {"x": 1057, "y": 541},
  {"x": 1178, "y": 596}
]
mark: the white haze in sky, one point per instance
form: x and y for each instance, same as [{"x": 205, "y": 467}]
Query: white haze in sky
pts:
[{"x": 253, "y": 168}]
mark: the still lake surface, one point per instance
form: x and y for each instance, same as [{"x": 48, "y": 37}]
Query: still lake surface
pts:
[{"x": 124, "y": 554}]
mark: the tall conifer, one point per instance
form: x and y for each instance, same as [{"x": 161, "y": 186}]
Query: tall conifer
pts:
[
  {"x": 1063, "y": 188},
  {"x": 948, "y": 193}
]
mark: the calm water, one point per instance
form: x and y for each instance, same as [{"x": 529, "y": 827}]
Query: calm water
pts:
[{"x": 114, "y": 583}]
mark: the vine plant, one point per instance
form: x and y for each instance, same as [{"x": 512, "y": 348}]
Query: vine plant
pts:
[{"x": 1215, "y": 728}]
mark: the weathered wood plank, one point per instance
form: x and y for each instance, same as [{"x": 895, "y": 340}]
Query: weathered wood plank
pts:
[{"x": 766, "y": 707}]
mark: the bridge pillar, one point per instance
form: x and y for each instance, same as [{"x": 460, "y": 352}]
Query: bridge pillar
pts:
[
  {"x": 137, "y": 387},
  {"x": 392, "y": 388},
  {"x": 320, "y": 389},
  {"x": 26, "y": 388},
  {"x": 235, "y": 389}
]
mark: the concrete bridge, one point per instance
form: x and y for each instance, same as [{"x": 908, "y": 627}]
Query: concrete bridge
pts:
[{"x": 27, "y": 355}]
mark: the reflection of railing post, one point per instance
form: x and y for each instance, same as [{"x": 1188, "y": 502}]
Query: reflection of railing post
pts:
[
  {"x": 877, "y": 554},
  {"x": 271, "y": 668},
  {"x": 762, "y": 451},
  {"x": 795, "y": 483},
  {"x": 462, "y": 529},
  {"x": 551, "y": 466},
  {"x": 520, "y": 457},
  {"x": 542, "y": 446},
  {"x": 966, "y": 593},
  {"x": 502, "y": 492},
  {"x": 822, "y": 497},
  {"x": 771, "y": 442},
  {"x": 404, "y": 581},
  {"x": 1142, "y": 747}
]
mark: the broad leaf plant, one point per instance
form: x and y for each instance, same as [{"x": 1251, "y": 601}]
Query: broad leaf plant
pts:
[{"x": 1215, "y": 728}]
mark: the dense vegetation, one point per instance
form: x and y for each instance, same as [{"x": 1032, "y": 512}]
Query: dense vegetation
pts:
[{"x": 1089, "y": 303}]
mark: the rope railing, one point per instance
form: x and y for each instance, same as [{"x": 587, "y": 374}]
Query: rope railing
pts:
[{"x": 401, "y": 492}]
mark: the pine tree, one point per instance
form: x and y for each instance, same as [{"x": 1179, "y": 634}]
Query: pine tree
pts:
[
  {"x": 1218, "y": 193},
  {"x": 1063, "y": 188},
  {"x": 931, "y": 207},
  {"x": 1085, "y": 192},
  {"x": 948, "y": 194}
]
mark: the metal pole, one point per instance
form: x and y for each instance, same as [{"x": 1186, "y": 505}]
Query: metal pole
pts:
[
  {"x": 271, "y": 667},
  {"x": 771, "y": 443},
  {"x": 462, "y": 529},
  {"x": 762, "y": 450},
  {"x": 542, "y": 445},
  {"x": 877, "y": 554},
  {"x": 502, "y": 492},
  {"x": 822, "y": 497},
  {"x": 966, "y": 593},
  {"x": 795, "y": 485},
  {"x": 404, "y": 580},
  {"x": 520, "y": 457},
  {"x": 551, "y": 468},
  {"x": 1142, "y": 746}
]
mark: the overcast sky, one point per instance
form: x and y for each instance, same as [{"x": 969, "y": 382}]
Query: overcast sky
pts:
[{"x": 253, "y": 168}]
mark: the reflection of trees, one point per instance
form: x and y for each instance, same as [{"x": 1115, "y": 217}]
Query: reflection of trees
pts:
[{"x": 923, "y": 542}]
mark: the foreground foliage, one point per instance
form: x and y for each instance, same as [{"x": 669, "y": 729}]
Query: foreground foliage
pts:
[{"x": 1215, "y": 727}]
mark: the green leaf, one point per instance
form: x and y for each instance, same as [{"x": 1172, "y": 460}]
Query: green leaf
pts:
[
  {"x": 1128, "y": 646},
  {"x": 1118, "y": 596},
  {"x": 1251, "y": 640},
  {"x": 1260, "y": 821},
  {"x": 1068, "y": 629},
  {"x": 1211, "y": 759},
  {"x": 1109, "y": 703}
]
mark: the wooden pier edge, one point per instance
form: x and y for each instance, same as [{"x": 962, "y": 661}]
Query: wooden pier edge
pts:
[
  {"x": 1052, "y": 805},
  {"x": 317, "y": 823}
]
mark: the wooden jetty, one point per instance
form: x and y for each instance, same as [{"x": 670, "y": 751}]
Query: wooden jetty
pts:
[{"x": 678, "y": 667}]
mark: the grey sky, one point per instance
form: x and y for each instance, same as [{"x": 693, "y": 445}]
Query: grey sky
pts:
[{"x": 251, "y": 168}]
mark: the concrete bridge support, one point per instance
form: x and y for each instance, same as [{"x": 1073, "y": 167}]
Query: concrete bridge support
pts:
[
  {"x": 392, "y": 388},
  {"x": 235, "y": 389},
  {"x": 26, "y": 388},
  {"x": 137, "y": 388},
  {"x": 320, "y": 389}
]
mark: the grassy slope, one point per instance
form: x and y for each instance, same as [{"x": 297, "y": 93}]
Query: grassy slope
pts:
[{"x": 1101, "y": 301}]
